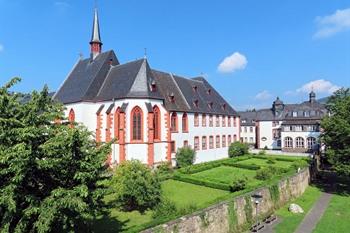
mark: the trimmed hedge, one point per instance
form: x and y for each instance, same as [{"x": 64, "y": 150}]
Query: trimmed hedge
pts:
[
  {"x": 201, "y": 181},
  {"x": 245, "y": 166}
]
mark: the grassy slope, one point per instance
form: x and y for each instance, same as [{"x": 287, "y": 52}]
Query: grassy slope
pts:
[
  {"x": 225, "y": 174},
  {"x": 183, "y": 194},
  {"x": 336, "y": 219},
  {"x": 291, "y": 221},
  {"x": 264, "y": 162}
]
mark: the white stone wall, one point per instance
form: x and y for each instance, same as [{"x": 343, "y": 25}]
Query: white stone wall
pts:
[
  {"x": 208, "y": 154},
  {"x": 265, "y": 132},
  {"x": 304, "y": 135},
  {"x": 247, "y": 135}
]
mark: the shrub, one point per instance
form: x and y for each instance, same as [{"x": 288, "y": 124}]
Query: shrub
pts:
[
  {"x": 239, "y": 183},
  {"x": 271, "y": 160},
  {"x": 165, "y": 209},
  {"x": 301, "y": 163},
  {"x": 262, "y": 152},
  {"x": 136, "y": 186},
  {"x": 185, "y": 156},
  {"x": 164, "y": 168},
  {"x": 266, "y": 173},
  {"x": 237, "y": 149}
]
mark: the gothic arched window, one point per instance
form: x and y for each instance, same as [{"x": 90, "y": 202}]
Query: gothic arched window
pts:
[{"x": 136, "y": 124}]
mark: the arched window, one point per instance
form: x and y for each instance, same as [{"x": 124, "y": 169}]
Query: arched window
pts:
[
  {"x": 136, "y": 124},
  {"x": 223, "y": 121},
  {"x": 229, "y": 121},
  {"x": 311, "y": 141},
  {"x": 116, "y": 123},
  {"x": 217, "y": 141},
  {"x": 156, "y": 123},
  {"x": 211, "y": 142},
  {"x": 196, "y": 143},
  {"x": 217, "y": 119},
  {"x": 234, "y": 122},
  {"x": 108, "y": 126},
  {"x": 173, "y": 122},
  {"x": 234, "y": 138},
  {"x": 299, "y": 142},
  {"x": 223, "y": 141},
  {"x": 229, "y": 140},
  {"x": 71, "y": 117},
  {"x": 288, "y": 142},
  {"x": 196, "y": 120},
  {"x": 184, "y": 123},
  {"x": 204, "y": 142},
  {"x": 210, "y": 120}
]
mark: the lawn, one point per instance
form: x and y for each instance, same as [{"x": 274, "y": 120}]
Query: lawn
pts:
[
  {"x": 336, "y": 219},
  {"x": 225, "y": 174},
  {"x": 291, "y": 221},
  {"x": 182, "y": 194},
  {"x": 265, "y": 162}
]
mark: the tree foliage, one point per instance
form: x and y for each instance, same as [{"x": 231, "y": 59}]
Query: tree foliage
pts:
[
  {"x": 48, "y": 171},
  {"x": 336, "y": 131},
  {"x": 137, "y": 187},
  {"x": 237, "y": 149},
  {"x": 185, "y": 156}
]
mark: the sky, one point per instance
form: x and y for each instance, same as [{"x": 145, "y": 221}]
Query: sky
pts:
[{"x": 250, "y": 51}]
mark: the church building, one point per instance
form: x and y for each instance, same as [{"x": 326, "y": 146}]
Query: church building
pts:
[{"x": 150, "y": 113}]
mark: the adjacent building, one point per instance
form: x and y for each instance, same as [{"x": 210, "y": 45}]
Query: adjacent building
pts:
[
  {"x": 286, "y": 127},
  {"x": 149, "y": 112}
]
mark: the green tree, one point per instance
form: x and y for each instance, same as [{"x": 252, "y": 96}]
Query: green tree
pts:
[
  {"x": 336, "y": 131},
  {"x": 237, "y": 149},
  {"x": 185, "y": 156},
  {"x": 48, "y": 171},
  {"x": 137, "y": 187}
]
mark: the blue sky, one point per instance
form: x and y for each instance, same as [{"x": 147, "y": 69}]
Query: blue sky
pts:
[{"x": 272, "y": 48}]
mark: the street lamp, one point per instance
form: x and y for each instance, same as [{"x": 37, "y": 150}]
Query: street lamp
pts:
[{"x": 257, "y": 199}]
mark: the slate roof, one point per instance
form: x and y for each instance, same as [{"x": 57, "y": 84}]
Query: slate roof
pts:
[
  {"x": 104, "y": 79},
  {"x": 307, "y": 112}
]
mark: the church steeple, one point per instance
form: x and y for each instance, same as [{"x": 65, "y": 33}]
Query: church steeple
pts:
[{"x": 95, "y": 43}]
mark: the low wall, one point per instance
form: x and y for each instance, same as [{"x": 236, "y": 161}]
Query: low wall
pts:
[{"x": 239, "y": 213}]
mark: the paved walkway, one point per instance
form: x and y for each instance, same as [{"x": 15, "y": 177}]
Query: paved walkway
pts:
[{"x": 314, "y": 215}]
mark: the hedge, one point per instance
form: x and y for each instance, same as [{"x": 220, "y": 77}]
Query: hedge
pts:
[
  {"x": 202, "y": 182},
  {"x": 245, "y": 166}
]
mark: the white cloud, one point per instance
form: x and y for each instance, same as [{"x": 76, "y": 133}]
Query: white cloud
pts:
[
  {"x": 319, "y": 86},
  {"x": 330, "y": 25},
  {"x": 264, "y": 95},
  {"x": 1, "y": 47},
  {"x": 230, "y": 64}
]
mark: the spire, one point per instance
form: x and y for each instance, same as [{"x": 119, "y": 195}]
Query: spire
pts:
[{"x": 95, "y": 43}]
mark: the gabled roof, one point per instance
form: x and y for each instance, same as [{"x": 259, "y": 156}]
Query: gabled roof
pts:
[{"x": 104, "y": 79}]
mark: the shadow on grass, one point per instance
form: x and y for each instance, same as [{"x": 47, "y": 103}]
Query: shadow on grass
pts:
[{"x": 329, "y": 182}]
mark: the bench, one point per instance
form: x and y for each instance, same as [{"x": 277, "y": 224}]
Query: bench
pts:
[
  {"x": 270, "y": 219},
  {"x": 257, "y": 227}
]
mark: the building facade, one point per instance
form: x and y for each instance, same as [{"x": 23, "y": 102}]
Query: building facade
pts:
[
  {"x": 150, "y": 113},
  {"x": 286, "y": 127}
]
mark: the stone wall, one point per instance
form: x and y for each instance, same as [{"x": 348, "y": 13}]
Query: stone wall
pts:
[{"x": 239, "y": 213}]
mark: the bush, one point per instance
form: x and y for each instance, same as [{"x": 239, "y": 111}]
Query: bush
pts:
[
  {"x": 164, "y": 209},
  {"x": 299, "y": 164},
  {"x": 136, "y": 186},
  {"x": 271, "y": 160},
  {"x": 237, "y": 149},
  {"x": 239, "y": 183},
  {"x": 185, "y": 156},
  {"x": 266, "y": 173},
  {"x": 262, "y": 152},
  {"x": 164, "y": 168}
]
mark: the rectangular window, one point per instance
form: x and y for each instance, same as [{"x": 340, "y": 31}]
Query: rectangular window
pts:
[
  {"x": 251, "y": 140},
  {"x": 223, "y": 141},
  {"x": 229, "y": 121},
  {"x": 251, "y": 129},
  {"x": 185, "y": 143},
  {"x": 204, "y": 120},
  {"x": 210, "y": 120},
  {"x": 172, "y": 144},
  {"x": 217, "y": 141},
  {"x": 223, "y": 121},
  {"x": 229, "y": 140},
  {"x": 204, "y": 143},
  {"x": 217, "y": 121},
  {"x": 245, "y": 129},
  {"x": 196, "y": 143},
  {"x": 234, "y": 121},
  {"x": 196, "y": 120},
  {"x": 211, "y": 142}
]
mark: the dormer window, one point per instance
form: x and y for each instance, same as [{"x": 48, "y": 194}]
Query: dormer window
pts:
[
  {"x": 172, "y": 98},
  {"x": 295, "y": 114},
  {"x": 210, "y": 105},
  {"x": 153, "y": 86},
  {"x": 195, "y": 103},
  {"x": 209, "y": 91},
  {"x": 194, "y": 88},
  {"x": 224, "y": 106}
]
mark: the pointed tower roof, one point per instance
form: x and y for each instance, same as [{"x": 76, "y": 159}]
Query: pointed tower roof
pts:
[{"x": 96, "y": 37}]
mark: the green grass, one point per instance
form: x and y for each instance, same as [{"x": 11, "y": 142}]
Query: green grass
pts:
[
  {"x": 336, "y": 219},
  {"x": 264, "y": 162},
  {"x": 225, "y": 174},
  {"x": 291, "y": 221},
  {"x": 182, "y": 194}
]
